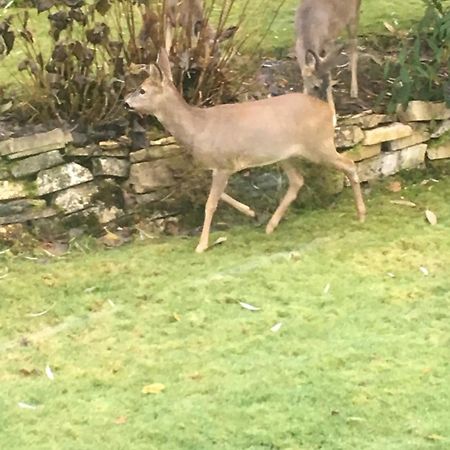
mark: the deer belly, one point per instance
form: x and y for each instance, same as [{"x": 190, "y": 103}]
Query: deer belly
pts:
[{"x": 266, "y": 155}]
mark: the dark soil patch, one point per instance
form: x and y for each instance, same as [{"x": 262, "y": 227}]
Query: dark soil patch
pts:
[{"x": 281, "y": 76}]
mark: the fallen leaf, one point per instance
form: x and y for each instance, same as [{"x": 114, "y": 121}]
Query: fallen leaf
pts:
[
  {"x": 28, "y": 372},
  {"x": 295, "y": 256},
  {"x": 249, "y": 307},
  {"x": 176, "y": 317},
  {"x": 326, "y": 289},
  {"x": 49, "y": 373},
  {"x": 24, "y": 405},
  {"x": 424, "y": 270},
  {"x": 389, "y": 27},
  {"x": 403, "y": 203},
  {"x": 276, "y": 327},
  {"x": 390, "y": 274},
  {"x": 155, "y": 388},
  {"x": 195, "y": 376},
  {"x": 219, "y": 241},
  {"x": 355, "y": 419},
  {"x": 431, "y": 217},
  {"x": 435, "y": 437},
  {"x": 41, "y": 313},
  {"x": 121, "y": 420},
  {"x": 394, "y": 186}
]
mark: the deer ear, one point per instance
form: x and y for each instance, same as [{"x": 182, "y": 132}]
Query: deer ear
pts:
[
  {"x": 312, "y": 60},
  {"x": 164, "y": 63},
  {"x": 331, "y": 60},
  {"x": 154, "y": 72}
]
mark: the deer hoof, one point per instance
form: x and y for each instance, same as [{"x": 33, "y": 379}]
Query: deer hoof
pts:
[
  {"x": 270, "y": 228},
  {"x": 201, "y": 248}
]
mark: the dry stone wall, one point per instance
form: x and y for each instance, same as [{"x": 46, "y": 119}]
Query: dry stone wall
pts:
[{"x": 44, "y": 176}]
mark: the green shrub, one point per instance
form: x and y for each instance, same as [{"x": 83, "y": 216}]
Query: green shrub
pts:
[
  {"x": 421, "y": 69},
  {"x": 93, "y": 46}
]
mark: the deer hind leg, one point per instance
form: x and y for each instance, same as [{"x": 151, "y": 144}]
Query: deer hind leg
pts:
[
  {"x": 352, "y": 31},
  {"x": 295, "y": 184},
  {"x": 219, "y": 182},
  {"x": 238, "y": 205},
  {"x": 347, "y": 166}
]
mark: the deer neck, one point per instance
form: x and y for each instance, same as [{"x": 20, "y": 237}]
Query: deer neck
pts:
[{"x": 181, "y": 120}]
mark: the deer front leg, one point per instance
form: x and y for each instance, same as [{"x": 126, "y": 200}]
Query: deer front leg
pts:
[
  {"x": 238, "y": 205},
  {"x": 295, "y": 183},
  {"x": 219, "y": 182}
]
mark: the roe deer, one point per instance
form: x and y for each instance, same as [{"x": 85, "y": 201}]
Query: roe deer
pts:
[
  {"x": 189, "y": 15},
  {"x": 317, "y": 24},
  {"x": 229, "y": 138}
]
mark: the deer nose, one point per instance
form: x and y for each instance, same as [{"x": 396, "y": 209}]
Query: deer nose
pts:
[{"x": 127, "y": 105}]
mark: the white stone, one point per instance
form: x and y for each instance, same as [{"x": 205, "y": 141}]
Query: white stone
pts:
[
  {"x": 387, "y": 133},
  {"x": 418, "y": 111},
  {"x": 416, "y": 138},
  {"x": 62, "y": 177},
  {"x": 111, "y": 167},
  {"x": 439, "y": 152},
  {"x": 349, "y": 136},
  {"x": 37, "y": 143},
  {"x": 75, "y": 198},
  {"x": 150, "y": 175},
  {"x": 412, "y": 157},
  {"x": 10, "y": 190}
]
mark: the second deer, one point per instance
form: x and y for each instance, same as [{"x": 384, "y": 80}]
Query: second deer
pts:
[
  {"x": 229, "y": 138},
  {"x": 318, "y": 23}
]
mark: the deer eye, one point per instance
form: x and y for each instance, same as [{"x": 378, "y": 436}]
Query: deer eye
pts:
[{"x": 142, "y": 91}]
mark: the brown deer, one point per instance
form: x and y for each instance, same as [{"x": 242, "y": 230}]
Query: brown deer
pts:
[
  {"x": 229, "y": 138},
  {"x": 317, "y": 24},
  {"x": 189, "y": 15}
]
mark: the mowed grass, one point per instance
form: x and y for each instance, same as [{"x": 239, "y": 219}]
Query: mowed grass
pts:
[{"x": 361, "y": 360}]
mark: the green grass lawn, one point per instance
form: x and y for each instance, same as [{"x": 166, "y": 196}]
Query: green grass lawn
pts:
[{"x": 361, "y": 360}]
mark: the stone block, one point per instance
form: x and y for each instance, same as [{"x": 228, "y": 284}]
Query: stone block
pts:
[
  {"x": 439, "y": 152},
  {"x": 387, "y": 133},
  {"x": 367, "y": 121},
  {"x": 4, "y": 174},
  {"x": 75, "y": 198},
  {"x": 156, "y": 152},
  {"x": 417, "y": 137},
  {"x": 348, "y": 136},
  {"x": 442, "y": 128},
  {"x": 412, "y": 157},
  {"x": 361, "y": 152},
  {"x": 163, "y": 141},
  {"x": 10, "y": 190},
  {"x": 83, "y": 152},
  {"x": 110, "y": 167},
  {"x": 19, "y": 211},
  {"x": 418, "y": 111},
  {"x": 383, "y": 165},
  {"x": 62, "y": 177},
  {"x": 34, "y": 164},
  {"x": 25, "y": 146},
  {"x": 150, "y": 175}
]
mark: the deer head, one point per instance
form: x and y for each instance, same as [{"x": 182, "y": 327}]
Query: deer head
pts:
[
  {"x": 316, "y": 72},
  {"x": 153, "y": 91}
]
